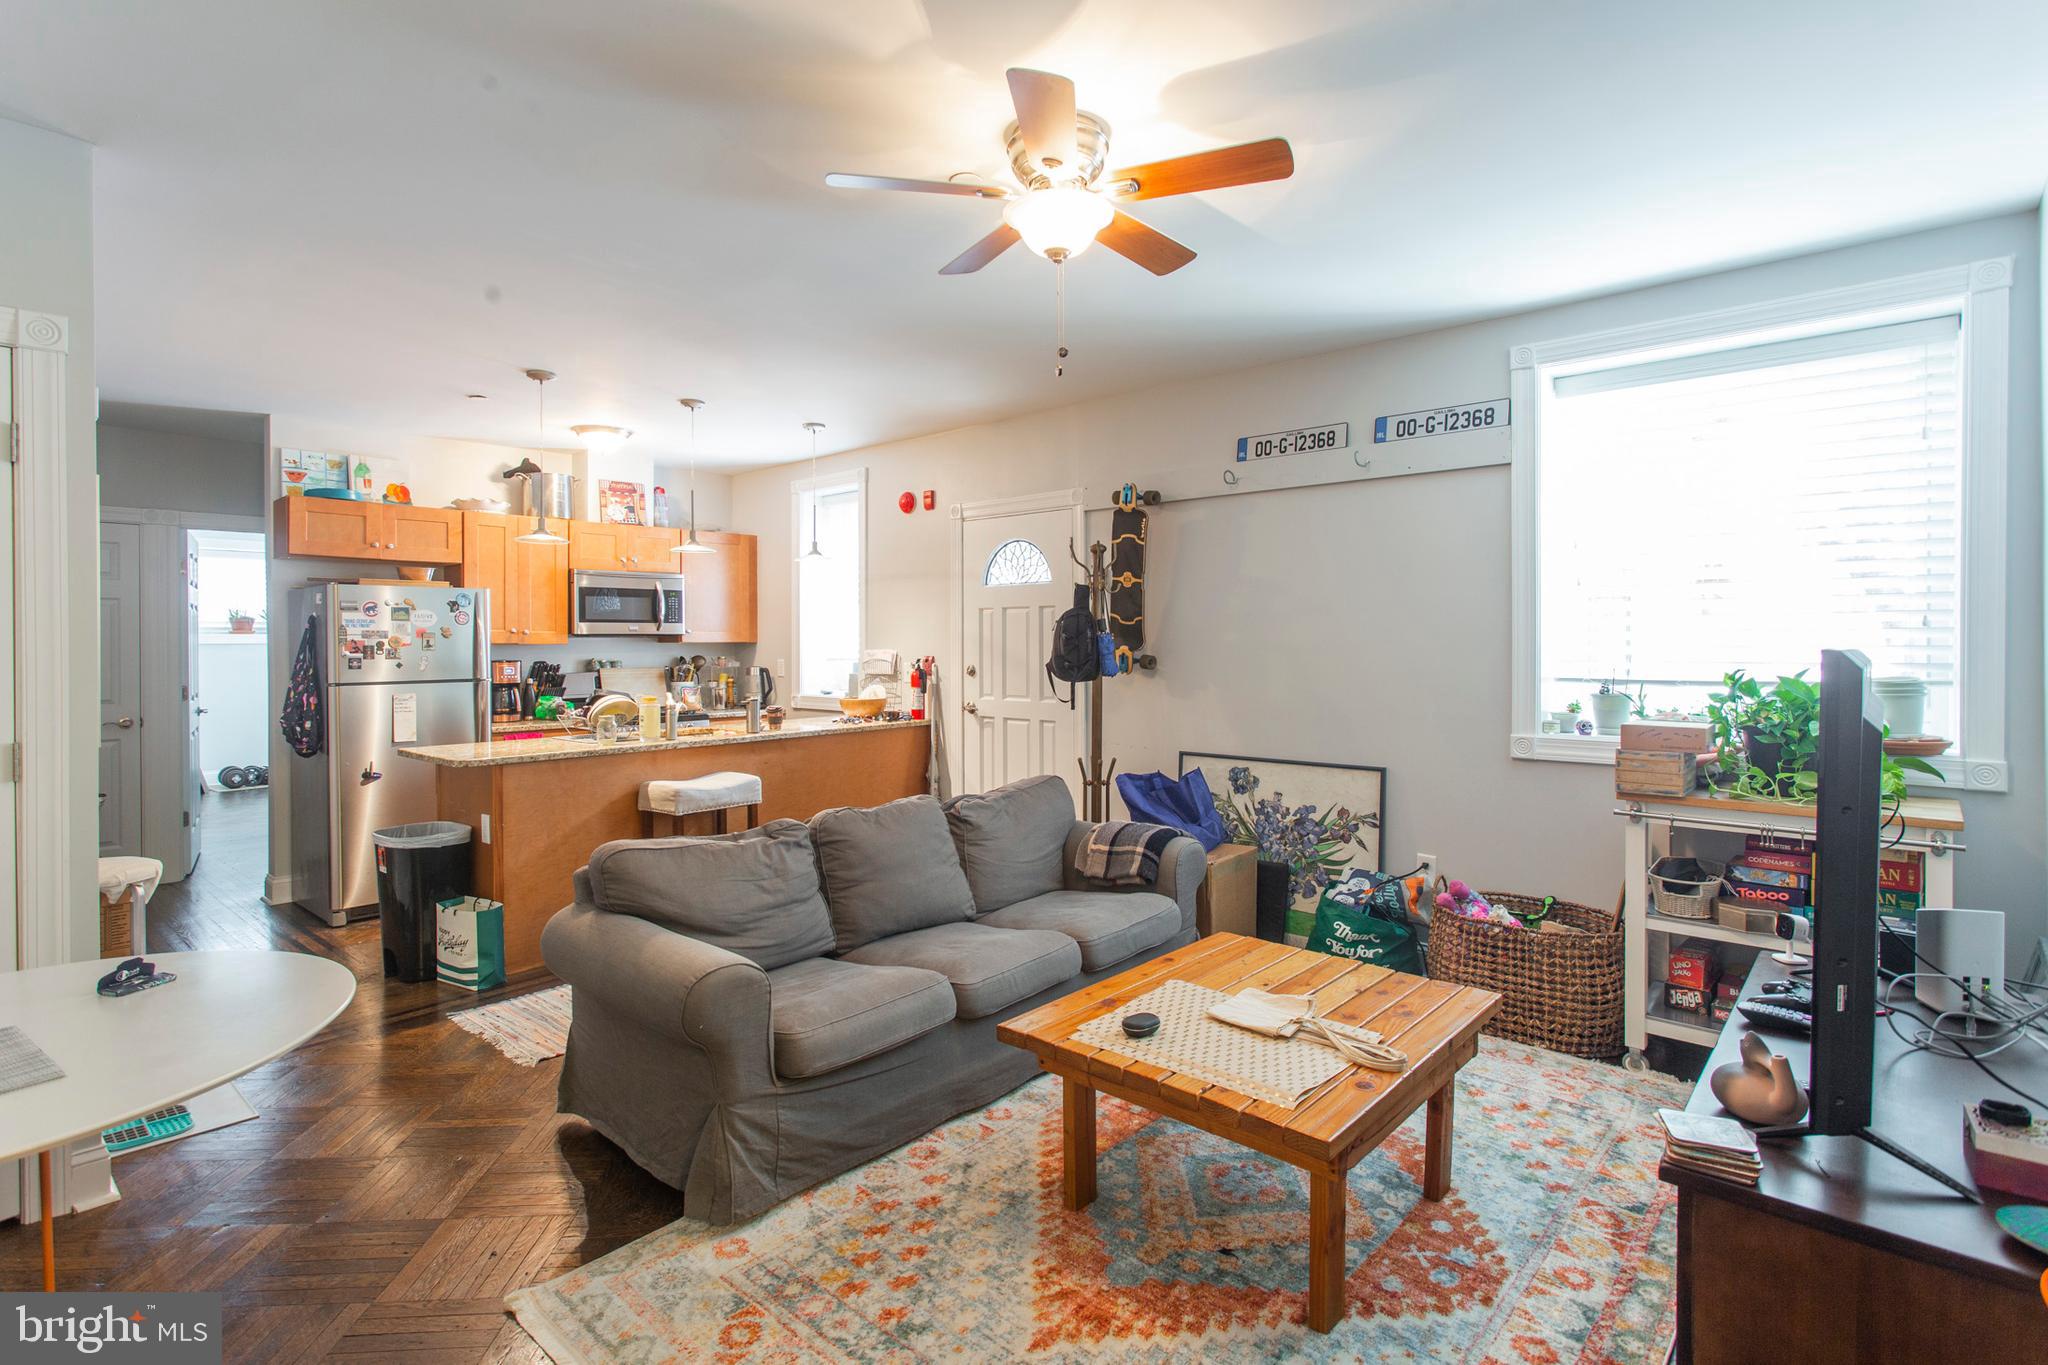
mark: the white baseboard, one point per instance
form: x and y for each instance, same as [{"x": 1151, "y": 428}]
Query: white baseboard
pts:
[{"x": 280, "y": 890}]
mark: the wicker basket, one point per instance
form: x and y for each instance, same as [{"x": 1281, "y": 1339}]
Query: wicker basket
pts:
[
  {"x": 1560, "y": 991},
  {"x": 1686, "y": 897}
]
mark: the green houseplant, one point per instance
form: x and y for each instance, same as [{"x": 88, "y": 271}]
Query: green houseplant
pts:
[{"x": 1769, "y": 738}]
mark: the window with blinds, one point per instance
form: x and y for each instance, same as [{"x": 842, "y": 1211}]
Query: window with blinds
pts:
[{"x": 1748, "y": 507}]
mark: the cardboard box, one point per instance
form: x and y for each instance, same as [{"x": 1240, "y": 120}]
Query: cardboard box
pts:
[
  {"x": 1227, "y": 900},
  {"x": 1750, "y": 917},
  {"x": 1690, "y": 999},
  {"x": 1692, "y": 963},
  {"x": 1667, "y": 736}
]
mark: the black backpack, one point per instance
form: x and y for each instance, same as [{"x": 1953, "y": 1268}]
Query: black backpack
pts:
[{"x": 1074, "y": 656}]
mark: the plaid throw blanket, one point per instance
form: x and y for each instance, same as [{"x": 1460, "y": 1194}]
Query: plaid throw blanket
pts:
[{"x": 1123, "y": 852}]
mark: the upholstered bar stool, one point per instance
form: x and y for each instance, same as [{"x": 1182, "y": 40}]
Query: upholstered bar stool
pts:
[{"x": 664, "y": 804}]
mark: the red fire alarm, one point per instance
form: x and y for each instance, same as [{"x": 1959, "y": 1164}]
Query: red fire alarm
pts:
[
  {"x": 931, "y": 499},
  {"x": 907, "y": 502}
]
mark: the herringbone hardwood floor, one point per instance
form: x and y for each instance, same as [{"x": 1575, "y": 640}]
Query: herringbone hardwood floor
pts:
[{"x": 402, "y": 1175}]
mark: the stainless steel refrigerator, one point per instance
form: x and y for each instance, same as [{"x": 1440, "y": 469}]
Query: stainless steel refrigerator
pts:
[{"x": 400, "y": 664}]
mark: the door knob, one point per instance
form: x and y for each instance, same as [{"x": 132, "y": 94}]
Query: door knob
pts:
[
  {"x": 198, "y": 710},
  {"x": 969, "y": 708},
  {"x": 126, "y": 722},
  {"x": 970, "y": 670}
]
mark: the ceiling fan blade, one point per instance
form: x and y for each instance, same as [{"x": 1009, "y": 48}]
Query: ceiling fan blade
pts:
[
  {"x": 839, "y": 180},
  {"x": 1045, "y": 115},
  {"x": 1149, "y": 247},
  {"x": 1245, "y": 164},
  {"x": 982, "y": 252}
]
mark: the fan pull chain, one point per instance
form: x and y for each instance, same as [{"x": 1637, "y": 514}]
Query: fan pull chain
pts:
[{"x": 1059, "y": 290}]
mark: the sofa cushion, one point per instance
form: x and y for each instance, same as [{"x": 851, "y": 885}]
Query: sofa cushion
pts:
[
  {"x": 889, "y": 869},
  {"x": 989, "y": 968},
  {"x": 1109, "y": 926},
  {"x": 1012, "y": 840},
  {"x": 827, "y": 1014},
  {"x": 754, "y": 893}
]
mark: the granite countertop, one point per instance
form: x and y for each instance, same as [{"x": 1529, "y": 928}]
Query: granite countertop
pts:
[
  {"x": 521, "y": 725},
  {"x": 492, "y": 753}
]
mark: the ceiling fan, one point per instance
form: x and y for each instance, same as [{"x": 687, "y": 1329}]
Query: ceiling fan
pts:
[{"x": 1065, "y": 200}]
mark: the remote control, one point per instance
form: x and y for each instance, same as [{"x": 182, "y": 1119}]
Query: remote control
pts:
[{"x": 1768, "y": 1014}]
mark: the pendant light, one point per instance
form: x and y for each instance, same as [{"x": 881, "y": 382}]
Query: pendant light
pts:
[
  {"x": 691, "y": 545},
  {"x": 540, "y": 534},
  {"x": 814, "y": 428}
]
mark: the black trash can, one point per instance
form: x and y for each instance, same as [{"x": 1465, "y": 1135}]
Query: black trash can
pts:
[{"x": 418, "y": 867}]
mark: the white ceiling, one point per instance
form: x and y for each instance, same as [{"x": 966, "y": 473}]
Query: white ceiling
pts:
[{"x": 361, "y": 212}]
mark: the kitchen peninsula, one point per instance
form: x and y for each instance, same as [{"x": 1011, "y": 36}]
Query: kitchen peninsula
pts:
[{"x": 541, "y": 806}]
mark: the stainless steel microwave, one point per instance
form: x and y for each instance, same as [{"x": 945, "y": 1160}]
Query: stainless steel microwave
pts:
[{"x": 625, "y": 603}]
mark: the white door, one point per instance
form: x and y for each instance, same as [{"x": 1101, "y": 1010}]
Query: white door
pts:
[
  {"x": 1017, "y": 580},
  {"x": 120, "y": 689},
  {"x": 191, "y": 787},
  {"x": 8, "y": 734}
]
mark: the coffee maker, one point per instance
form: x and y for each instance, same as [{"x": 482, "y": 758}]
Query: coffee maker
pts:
[{"x": 506, "y": 703}]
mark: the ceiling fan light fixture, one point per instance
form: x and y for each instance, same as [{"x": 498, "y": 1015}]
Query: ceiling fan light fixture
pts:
[
  {"x": 1060, "y": 221},
  {"x": 601, "y": 437}
]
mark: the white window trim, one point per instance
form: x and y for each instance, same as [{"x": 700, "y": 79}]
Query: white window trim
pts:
[
  {"x": 798, "y": 543},
  {"x": 1982, "y": 293}
]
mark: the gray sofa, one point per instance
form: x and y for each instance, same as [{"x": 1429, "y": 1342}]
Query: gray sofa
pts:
[{"x": 757, "y": 1012}]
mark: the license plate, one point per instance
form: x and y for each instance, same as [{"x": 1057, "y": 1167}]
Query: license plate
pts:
[
  {"x": 1336, "y": 436},
  {"x": 1406, "y": 426}
]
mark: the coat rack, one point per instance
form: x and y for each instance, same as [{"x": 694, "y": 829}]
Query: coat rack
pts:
[{"x": 1094, "y": 779}]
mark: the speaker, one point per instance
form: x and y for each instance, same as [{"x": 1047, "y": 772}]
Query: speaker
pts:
[{"x": 1968, "y": 945}]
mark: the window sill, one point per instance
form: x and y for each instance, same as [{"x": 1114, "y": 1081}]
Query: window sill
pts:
[{"x": 1962, "y": 774}]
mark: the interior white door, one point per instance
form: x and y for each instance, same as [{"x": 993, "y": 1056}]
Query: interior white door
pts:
[
  {"x": 9, "y": 958},
  {"x": 190, "y": 786},
  {"x": 1017, "y": 580},
  {"x": 120, "y": 689}
]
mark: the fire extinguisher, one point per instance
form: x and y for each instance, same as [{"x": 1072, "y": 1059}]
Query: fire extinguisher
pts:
[{"x": 917, "y": 691}]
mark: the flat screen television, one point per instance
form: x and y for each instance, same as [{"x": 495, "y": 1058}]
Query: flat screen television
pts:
[{"x": 1849, "y": 819}]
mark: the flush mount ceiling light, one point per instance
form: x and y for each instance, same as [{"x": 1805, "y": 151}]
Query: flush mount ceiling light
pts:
[
  {"x": 691, "y": 545},
  {"x": 1064, "y": 199},
  {"x": 526, "y": 469},
  {"x": 601, "y": 437},
  {"x": 814, "y": 428}
]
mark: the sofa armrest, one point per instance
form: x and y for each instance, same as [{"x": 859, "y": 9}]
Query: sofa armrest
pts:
[
  {"x": 1182, "y": 865},
  {"x": 673, "y": 984}
]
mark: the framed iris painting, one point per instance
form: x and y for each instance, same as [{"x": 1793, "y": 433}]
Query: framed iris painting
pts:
[{"x": 1318, "y": 820}]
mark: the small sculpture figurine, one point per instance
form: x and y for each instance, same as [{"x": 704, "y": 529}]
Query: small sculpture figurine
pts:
[{"x": 1759, "y": 1088}]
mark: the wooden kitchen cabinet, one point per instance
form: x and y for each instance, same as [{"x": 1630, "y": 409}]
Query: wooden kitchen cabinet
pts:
[
  {"x": 621, "y": 549},
  {"x": 337, "y": 528},
  {"x": 528, "y": 584},
  {"x": 721, "y": 600},
  {"x": 422, "y": 535}
]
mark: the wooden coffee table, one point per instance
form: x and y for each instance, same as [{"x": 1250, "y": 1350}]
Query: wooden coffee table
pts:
[{"x": 1436, "y": 1023}]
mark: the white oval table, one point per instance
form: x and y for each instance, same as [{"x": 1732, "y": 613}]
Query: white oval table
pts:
[{"x": 226, "y": 1014}]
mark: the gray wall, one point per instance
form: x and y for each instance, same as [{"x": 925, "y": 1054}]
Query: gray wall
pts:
[
  {"x": 46, "y": 266},
  {"x": 1369, "y": 622},
  {"x": 166, "y": 471}
]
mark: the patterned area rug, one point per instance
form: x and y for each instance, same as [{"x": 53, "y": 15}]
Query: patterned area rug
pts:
[
  {"x": 527, "y": 1028},
  {"x": 1556, "y": 1244}
]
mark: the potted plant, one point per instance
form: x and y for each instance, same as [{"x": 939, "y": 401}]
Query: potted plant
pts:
[
  {"x": 241, "y": 622},
  {"x": 1611, "y": 707},
  {"x": 1567, "y": 719}
]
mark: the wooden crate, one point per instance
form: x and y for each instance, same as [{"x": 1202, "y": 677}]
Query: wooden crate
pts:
[
  {"x": 1667, "y": 736},
  {"x": 1654, "y": 773},
  {"x": 117, "y": 924}
]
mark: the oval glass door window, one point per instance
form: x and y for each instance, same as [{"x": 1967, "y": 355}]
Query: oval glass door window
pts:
[{"x": 1016, "y": 564}]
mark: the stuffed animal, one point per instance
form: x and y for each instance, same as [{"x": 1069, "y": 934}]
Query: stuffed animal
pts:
[{"x": 1461, "y": 899}]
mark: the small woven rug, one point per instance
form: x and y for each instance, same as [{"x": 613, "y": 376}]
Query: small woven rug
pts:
[
  {"x": 1277, "y": 1070},
  {"x": 1556, "y": 1244},
  {"x": 527, "y": 1028}
]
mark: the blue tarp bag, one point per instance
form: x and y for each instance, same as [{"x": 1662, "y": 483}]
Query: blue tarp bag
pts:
[
  {"x": 1105, "y": 654},
  {"x": 1182, "y": 803}
]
